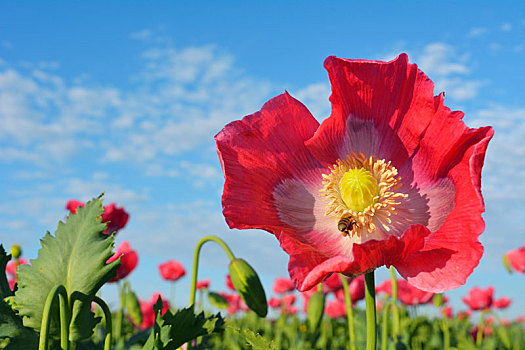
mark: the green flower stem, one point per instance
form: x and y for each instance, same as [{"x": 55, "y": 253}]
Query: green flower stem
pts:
[
  {"x": 198, "y": 247},
  {"x": 479, "y": 336},
  {"x": 384, "y": 328},
  {"x": 172, "y": 294},
  {"x": 65, "y": 315},
  {"x": 349, "y": 312},
  {"x": 370, "y": 298},
  {"x": 109, "y": 325},
  {"x": 120, "y": 314},
  {"x": 446, "y": 333},
  {"x": 196, "y": 254},
  {"x": 395, "y": 309}
]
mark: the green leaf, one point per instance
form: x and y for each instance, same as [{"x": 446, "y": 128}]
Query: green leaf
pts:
[
  {"x": 75, "y": 258},
  {"x": 255, "y": 340},
  {"x": 13, "y": 334},
  {"x": 173, "y": 330},
  {"x": 5, "y": 291}
]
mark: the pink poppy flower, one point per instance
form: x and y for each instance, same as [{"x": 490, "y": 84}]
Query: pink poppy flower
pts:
[
  {"x": 172, "y": 270},
  {"x": 410, "y": 295},
  {"x": 282, "y": 285},
  {"x": 464, "y": 315},
  {"x": 447, "y": 312},
  {"x": 391, "y": 177},
  {"x": 115, "y": 218},
  {"x": 289, "y": 299},
  {"x": 356, "y": 288},
  {"x": 516, "y": 259},
  {"x": 11, "y": 282},
  {"x": 148, "y": 315},
  {"x": 479, "y": 299},
  {"x": 203, "y": 284},
  {"x": 502, "y": 303},
  {"x": 129, "y": 260},
  {"x": 332, "y": 284}
]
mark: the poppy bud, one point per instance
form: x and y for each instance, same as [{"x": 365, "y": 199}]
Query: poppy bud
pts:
[
  {"x": 505, "y": 262},
  {"x": 218, "y": 300},
  {"x": 248, "y": 285},
  {"x": 315, "y": 310},
  {"x": 133, "y": 307},
  {"x": 437, "y": 300},
  {"x": 16, "y": 251}
]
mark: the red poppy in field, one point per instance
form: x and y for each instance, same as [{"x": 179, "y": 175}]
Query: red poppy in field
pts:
[
  {"x": 406, "y": 293},
  {"x": 146, "y": 307},
  {"x": 11, "y": 282},
  {"x": 129, "y": 260},
  {"x": 274, "y": 303},
  {"x": 283, "y": 285},
  {"x": 11, "y": 267},
  {"x": 115, "y": 218},
  {"x": 447, "y": 312},
  {"x": 356, "y": 288},
  {"x": 172, "y": 270},
  {"x": 516, "y": 259},
  {"x": 203, "y": 284},
  {"x": 502, "y": 303},
  {"x": 479, "y": 299},
  {"x": 229, "y": 282},
  {"x": 289, "y": 299},
  {"x": 464, "y": 315},
  {"x": 391, "y": 177},
  {"x": 335, "y": 308}
]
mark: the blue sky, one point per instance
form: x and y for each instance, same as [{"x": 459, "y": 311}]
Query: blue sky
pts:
[{"x": 126, "y": 97}]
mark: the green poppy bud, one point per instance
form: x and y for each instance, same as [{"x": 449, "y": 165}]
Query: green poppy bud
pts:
[
  {"x": 506, "y": 263},
  {"x": 217, "y": 300},
  {"x": 16, "y": 251},
  {"x": 248, "y": 285},
  {"x": 315, "y": 310},
  {"x": 133, "y": 307},
  {"x": 437, "y": 300}
]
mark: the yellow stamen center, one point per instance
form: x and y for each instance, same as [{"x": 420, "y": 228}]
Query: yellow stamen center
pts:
[
  {"x": 359, "y": 189},
  {"x": 362, "y": 194}
]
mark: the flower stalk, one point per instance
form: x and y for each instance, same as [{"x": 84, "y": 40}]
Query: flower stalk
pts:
[
  {"x": 370, "y": 298},
  {"x": 109, "y": 325},
  {"x": 65, "y": 318},
  {"x": 395, "y": 309},
  {"x": 349, "y": 312}
]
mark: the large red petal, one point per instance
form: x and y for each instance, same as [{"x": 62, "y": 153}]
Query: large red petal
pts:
[
  {"x": 391, "y": 99},
  {"x": 458, "y": 156},
  {"x": 259, "y": 152}
]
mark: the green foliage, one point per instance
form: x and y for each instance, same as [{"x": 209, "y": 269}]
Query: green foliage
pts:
[
  {"x": 315, "y": 310},
  {"x": 75, "y": 258},
  {"x": 170, "y": 331},
  {"x": 255, "y": 340},
  {"x": 13, "y": 334}
]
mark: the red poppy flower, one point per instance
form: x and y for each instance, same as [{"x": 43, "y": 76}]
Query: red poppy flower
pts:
[
  {"x": 129, "y": 260},
  {"x": 392, "y": 177},
  {"x": 464, "y": 315},
  {"x": 447, "y": 312},
  {"x": 289, "y": 299},
  {"x": 335, "y": 308},
  {"x": 332, "y": 284},
  {"x": 502, "y": 303},
  {"x": 115, "y": 218},
  {"x": 356, "y": 288},
  {"x": 203, "y": 284},
  {"x": 172, "y": 270},
  {"x": 148, "y": 314},
  {"x": 274, "y": 303},
  {"x": 10, "y": 268},
  {"x": 406, "y": 293},
  {"x": 516, "y": 259},
  {"x": 11, "y": 282},
  {"x": 479, "y": 299},
  {"x": 282, "y": 285},
  {"x": 229, "y": 282}
]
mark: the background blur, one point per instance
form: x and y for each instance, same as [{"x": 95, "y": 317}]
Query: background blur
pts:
[{"x": 126, "y": 97}]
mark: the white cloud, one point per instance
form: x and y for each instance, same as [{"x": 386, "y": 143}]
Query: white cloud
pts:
[
  {"x": 477, "y": 32},
  {"x": 315, "y": 96},
  {"x": 506, "y": 27},
  {"x": 449, "y": 71}
]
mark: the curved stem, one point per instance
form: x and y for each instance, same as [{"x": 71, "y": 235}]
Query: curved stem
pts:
[
  {"x": 196, "y": 255},
  {"x": 370, "y": 298},
  {"x": 395, "y": 309},
  {"x": 61, "y": 293},
  {"x": 446, "y": 334},
  {"x": 109, "y": 325},
  {"x": 349, "y": 311}
]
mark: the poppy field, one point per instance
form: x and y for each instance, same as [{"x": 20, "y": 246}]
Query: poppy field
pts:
[{"x": 391, "y": 179}]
